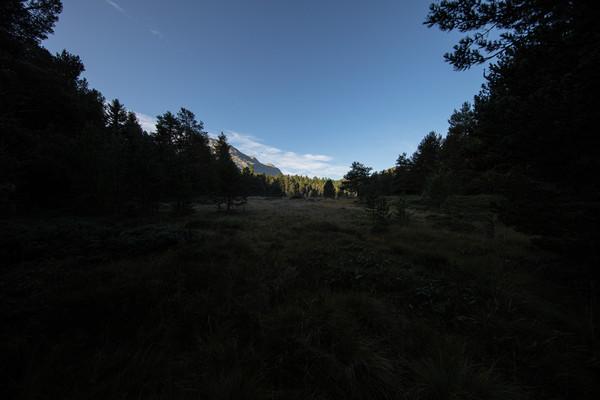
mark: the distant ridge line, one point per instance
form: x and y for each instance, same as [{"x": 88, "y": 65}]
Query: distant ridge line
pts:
[{"x": 242, "y": 160}]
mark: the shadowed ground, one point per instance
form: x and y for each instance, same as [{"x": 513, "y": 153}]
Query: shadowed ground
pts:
[{"x": 293, "y": 299}]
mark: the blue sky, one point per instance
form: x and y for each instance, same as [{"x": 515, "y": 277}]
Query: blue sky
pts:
[{"x": 308, "y": 85}]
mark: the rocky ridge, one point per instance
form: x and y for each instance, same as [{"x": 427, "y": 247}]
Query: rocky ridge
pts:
[{"x": 242, "y": 160}]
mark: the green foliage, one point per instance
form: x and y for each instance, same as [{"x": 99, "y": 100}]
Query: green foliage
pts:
[
  {"x": 229, "y": 190},
  {"x": 292, "y": 185},
  {"x": 522, "y": 23},
  {"x": 69, "y": 66},
  {"x": 459, "y": 150},
  {"x": 185, "y": 158},
  {"x": 116, "y": 115},
  {"x": 299, "y": 299},
  {"x": 368, "y": 195},
  {"x": 382, "y": 209},
  {"x": 28, "y": 21},
  {"x": 329, "y": 189},
  {"x": 355, "y": 178},
  {"x": 87, "y": 241},
  {"x": 261, "y": 184},
  {"x": 535, "y": 115},
  {"x": 400, "y": 209},
  {"x": 404, "y": 177},
  {"x": 438, "y": 187},
  {"x": 377, "y": 206},
  {"x": 410, "y": 173},
  {"x": 426, "y": 159}
]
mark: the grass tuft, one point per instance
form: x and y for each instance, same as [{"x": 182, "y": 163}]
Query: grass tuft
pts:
[{"x": 293, "y": 300}]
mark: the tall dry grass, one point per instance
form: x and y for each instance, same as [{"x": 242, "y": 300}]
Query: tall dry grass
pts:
[{"x": 292, "y": 299}]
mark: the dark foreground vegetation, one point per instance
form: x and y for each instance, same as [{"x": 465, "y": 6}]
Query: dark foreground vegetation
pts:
[
  {"x": 293, "y": 299},
  {"x": 134, "y": 266}
]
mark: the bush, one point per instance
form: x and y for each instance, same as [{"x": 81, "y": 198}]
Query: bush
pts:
[
  {"x": 438, "y": 187},
  {"x": 382, "y": 209},
  {"x": 400, "y": 209},
  {"x": 148, "y": 238}
]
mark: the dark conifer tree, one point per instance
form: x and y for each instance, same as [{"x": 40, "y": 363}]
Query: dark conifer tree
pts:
[
  {"x": 28, "y": 21},
  {"x": 228, "y": 188},
  {"x": 186, "y": 161},
  {"x": 196, "y": 167},
  {"x": 405, "y": 180},
  {"x": 167, "y": 130},
  {"x": 329, "y": 189},
  {"x": 427, "y": 157},
  {"x": 116, "y": 116},
  {"x": 355, "y": 178},
  {"x": 459, "y": 152},
  {"x": 537, "y": 114},
  {"x": 426, "y": 160},
  {"x": 39, "y": 107}
]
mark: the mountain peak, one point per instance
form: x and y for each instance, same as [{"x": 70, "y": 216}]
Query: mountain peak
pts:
[{"x": 242, "y": 160}]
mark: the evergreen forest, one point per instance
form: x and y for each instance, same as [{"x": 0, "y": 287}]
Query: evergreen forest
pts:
[{"x": 141, "y": 264}]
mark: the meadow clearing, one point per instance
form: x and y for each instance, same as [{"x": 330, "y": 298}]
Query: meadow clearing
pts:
[{"x": 306, "y": 299}]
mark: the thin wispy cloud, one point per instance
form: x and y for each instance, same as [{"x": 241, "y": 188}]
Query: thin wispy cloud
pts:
[
  {"x": 115, "y": 5},
  {"x": 288, "y": 162},
  {"x": 157, "y": 34},
  {"x": 120, "y": 9}
]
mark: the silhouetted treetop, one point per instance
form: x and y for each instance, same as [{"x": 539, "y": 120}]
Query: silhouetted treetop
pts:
[
  {"x": 329, "y": 189},
  {"x": 357, "y": 176},
  {"x": 29, "y": 20},
  {"x": 69, "y": 66},
  {"x": 426, "y": 158},
  {"x": 530, "y": 132},
  {"x": 188, "y": 124},
  {"x": 519, "y": 23},
  {"x": 116, "y": 114}
]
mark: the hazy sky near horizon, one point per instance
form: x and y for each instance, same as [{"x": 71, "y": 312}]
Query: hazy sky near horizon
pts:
[{"x": 308, "y": 85}]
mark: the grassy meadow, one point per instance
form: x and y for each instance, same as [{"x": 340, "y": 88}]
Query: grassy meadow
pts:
[{"x": 293, "y": 299}]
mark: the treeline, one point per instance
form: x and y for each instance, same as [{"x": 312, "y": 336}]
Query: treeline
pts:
[
  {"x": 528, "y": 136},
  {"x": 290, "y": 185},
  {"x": 64, "y": 146},
  {"x": 61, "y": 146},
  {"x": 438, "y": 168}
]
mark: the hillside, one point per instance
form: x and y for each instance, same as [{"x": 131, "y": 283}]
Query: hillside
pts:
[{"x": 242, "y": 161}]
